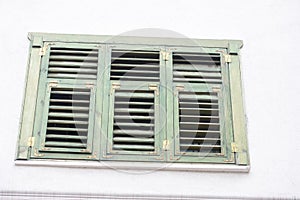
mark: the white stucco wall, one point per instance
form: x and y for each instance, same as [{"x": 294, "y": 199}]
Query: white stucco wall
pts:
[{"x": 270, "y": 31}]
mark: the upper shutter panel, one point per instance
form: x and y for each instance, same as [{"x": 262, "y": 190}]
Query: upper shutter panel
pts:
[
  {"x": 73, "y": 63},
  {"x": 199, "y": 122},
  {"x": 135, "y": 65},
  {"x": 197, "y": 67},
  {"x": 133, "y": 126},
  {"x": 68, "y": 120}
]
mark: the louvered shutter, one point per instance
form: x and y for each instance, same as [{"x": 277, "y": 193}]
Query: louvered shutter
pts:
[
  {"x": 134, "y": 104},
  {"x": 202, "y": 118},
  {"x": 64, "y": 123}
]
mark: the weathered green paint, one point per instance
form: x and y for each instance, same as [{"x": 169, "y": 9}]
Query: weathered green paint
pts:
[
  {"x": 102, "y": 99},
  {"x": 133, "y": 40},
  {"x": 42, "y": 104},
  {"x": 30, "y": 96},
  {"x": 239, "y": 121}
]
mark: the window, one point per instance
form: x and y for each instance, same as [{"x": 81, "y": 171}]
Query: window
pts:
[{"x": 133, "y": 99}]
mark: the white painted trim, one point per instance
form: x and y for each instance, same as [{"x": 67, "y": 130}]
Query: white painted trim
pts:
[
  {"x": 29, "y": 195},
  {"x": 145, "y": 166}
]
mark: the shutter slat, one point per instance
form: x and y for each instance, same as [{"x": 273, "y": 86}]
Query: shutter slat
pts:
[
  {"x": 74, "y": 108},
  {"x": 193, "y": 131},
  {"x": 79, "y": 58},
  {"x": 134, "y": 147},
  {"x": 70, "y": 92},
  {"x": 133, "y": 132},
  {"x": 199, "y": 116},
  {"x": 90, "y": 52},
  {"x": 130, "y": 139},
  {"x": 132, "y": 110},
  {"x": 197, "y": 80},
  {"x": 191, "y": 61},
  {"x": 199, "y": 123},
  {"x": 134, "y": 72},
  {"x": 73, "y": 101},
  {"x": 67, "y": 129},
  {"x": 134, "y": 59},
  {"x": 196, "y": 97},
  {"x": 67, "y": 122},
  {"x": 199, "y": 109},
  {"x": 78, "y": 137},
  {"x": 197, "y": 74},
  {"x": 114, "y": 65},
  {"x": 74, "y": 115},
  {"x": 132, "y": 103},
  {"x": 65, "y": 144},
  {"x": 72, "y": 64},
  {"x": 77, "y": 70},
  {"x": 135, "y": 95},
  {"x": 133, "y": 78},
  {"x": 133, "y": 117},
  {"x": 197, "y": 146},
  {"x": 133, "y": 124},
  {"x": 72, "y": 76},
  {"x": 197, "y": 55},
  {"x": 200, "y": 139},
  {"x": 198, "y": 68},
  {"x": 122, "y": 52}
]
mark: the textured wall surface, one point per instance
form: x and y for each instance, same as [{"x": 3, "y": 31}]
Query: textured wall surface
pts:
[{"x": 270, "y": 31}]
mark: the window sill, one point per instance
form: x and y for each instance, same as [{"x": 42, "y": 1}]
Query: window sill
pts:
[{"x": 145, "y": 166}]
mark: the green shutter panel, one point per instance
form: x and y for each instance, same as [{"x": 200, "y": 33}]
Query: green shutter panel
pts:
[
  {"x": 133, "y": 99},
  {"x": 202, "y": 124},
  {"x": 64, "y": 123}
]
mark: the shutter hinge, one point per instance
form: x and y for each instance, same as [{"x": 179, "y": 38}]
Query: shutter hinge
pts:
[
  {"x": 179, "y": 87},
  {"x": 116, "y": 85},
  {"x": 43, "y": 50},
  {"x": 216, "y": 89},
  {"x": 89, "y": 85},
  {"x": 53, "y": 83},
  {"x": 234, "y": 147},
  {"x": 165, "y": 55},
  {"x": 227, "y": 58},
  {"x": 166, "y": 145},
  {"x": 30, "y": 142},
  {"x": 154, "y": 87}
]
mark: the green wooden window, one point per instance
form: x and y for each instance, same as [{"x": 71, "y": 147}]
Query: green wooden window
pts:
[{"x": 123, "y": 98}]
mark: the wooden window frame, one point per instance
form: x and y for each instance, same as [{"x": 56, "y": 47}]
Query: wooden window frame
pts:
[{"x": 236, "y": 143}]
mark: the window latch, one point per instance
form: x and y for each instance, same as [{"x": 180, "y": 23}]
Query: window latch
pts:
[
  {"x": 165, "y": 55},
  {"x": 227, "y": 58},
  {"x": 166, "y": 145},
  {"x": 234, "y": 147},
  {"x": 30, "y": 141}
]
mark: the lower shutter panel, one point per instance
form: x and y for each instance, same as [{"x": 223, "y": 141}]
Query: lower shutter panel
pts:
[
  {"x": 68, "y": 120},
  {"x": 133, "y": 127},
  {"x": 199, "y": 125}
]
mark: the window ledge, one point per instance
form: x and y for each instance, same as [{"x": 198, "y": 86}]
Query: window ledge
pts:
[{"x": 145, "y": 166}]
